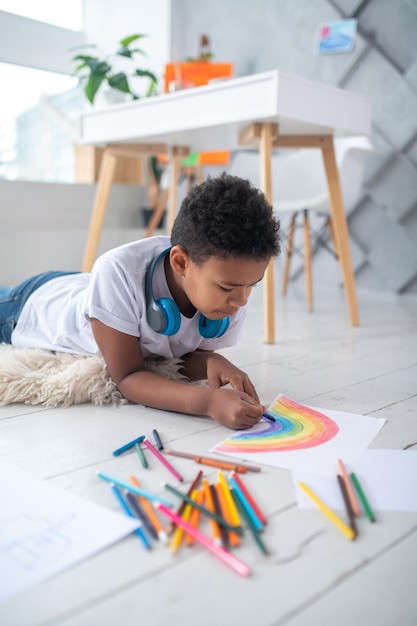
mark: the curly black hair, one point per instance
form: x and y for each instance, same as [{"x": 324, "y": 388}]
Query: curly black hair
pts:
[{"x": 226, "y": 216}]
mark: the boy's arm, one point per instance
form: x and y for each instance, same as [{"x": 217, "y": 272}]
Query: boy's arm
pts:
[{"x": 124, "y": 359}]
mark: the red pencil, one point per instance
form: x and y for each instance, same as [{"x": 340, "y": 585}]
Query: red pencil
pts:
[{"x": 252, "y": 502}]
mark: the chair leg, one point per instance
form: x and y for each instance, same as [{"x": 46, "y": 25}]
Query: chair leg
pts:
[
  {"x": 330, "y": 228},
  {"x": 288, "y": 253},
  {"x": 307, "y": 262}
]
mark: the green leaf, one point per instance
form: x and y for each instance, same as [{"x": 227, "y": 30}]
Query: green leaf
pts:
[
  {"x": 146, "y": 73},
  {"x": 119, "y": 81},
  {"x": 151, "y": 89},
  {"x": 126, "y": 41},
  {"x": 92, "y": 86},
  {"x": 127, "y": 52}
]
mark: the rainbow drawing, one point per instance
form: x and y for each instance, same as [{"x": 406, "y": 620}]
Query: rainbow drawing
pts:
[{"x": 296, "y": 427}]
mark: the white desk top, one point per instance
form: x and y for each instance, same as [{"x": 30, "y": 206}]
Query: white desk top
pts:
[{"x": 210, "y": 117}]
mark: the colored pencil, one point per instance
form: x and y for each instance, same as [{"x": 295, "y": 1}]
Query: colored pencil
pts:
[
  {"x": 193, "y": 486},
  {"x": 224, "y": 534},
  {"x": 348, "y": 503},
  {"x": 195, "y": 514},
  {"x": 136, "y": 490},
  {"x": 140, "y": 514},
  {"x": 207, "y": 460},
  {"x": 163, "y": 460},
  {"x": 244, "y": 512},
  {"x": 235, "y": 519},
  {"x": 152, "y": 516},
  {"x": 250, "y": 499},
  {"x": 157, "y": 438},
  {"x": 247, "y": 505},
  {"x": 227, "y": 558},
  {"x": 225, "y": 511},
  {"x": 351, "y": 493},
  {"x": 178, "y": 534},
  {"x": 141, "y": 455},
  {"x": 139, "y": 531},
  {"x": 215, "y": 527},
  {"x": 269, "y": 418},
  {"x": 335, "y": 519},
  {"x": 129, "y": 445},
  {"x": 362, "y": 497},
  {"x": 203, "y": 509}
]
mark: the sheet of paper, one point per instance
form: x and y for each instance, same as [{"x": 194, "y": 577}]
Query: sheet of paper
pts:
[
  {"x": 44, "y": 530},
  {"x": 387, "y": 477},
  {"x": 303, "y": 438}
]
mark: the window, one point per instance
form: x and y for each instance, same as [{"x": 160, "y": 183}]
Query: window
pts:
[
  {"x": 38, "y": 108},
  {"x": 66, "y": 13}
]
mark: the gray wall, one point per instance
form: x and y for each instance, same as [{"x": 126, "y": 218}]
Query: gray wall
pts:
[{"x": 281, "y": 34}]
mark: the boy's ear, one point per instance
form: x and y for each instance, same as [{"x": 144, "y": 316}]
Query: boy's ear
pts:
[{"x": 179, "y": 259}]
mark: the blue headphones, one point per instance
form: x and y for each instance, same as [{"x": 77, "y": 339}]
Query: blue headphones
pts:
[{"x": 163, "y": 314}]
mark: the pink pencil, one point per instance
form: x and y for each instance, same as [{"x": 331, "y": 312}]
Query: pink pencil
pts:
[
  {"x": 220, "y": 552},
  {"x": 163, "y": 460}
]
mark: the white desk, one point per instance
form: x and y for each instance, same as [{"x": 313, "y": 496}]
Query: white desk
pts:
[{"x": 268, "y": 110}]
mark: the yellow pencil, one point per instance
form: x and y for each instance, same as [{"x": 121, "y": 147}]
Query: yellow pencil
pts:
[
  {"x": 230, "y": 502},
  {"x": 344, "y": 528},
  {"x": 178, "y": 534},
  {"x": 227, "y": 514}
]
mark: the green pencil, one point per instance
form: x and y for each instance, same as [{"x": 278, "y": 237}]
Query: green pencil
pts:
[
  {"x": 141, "y": 455},
  {"x": 362, "y": 498}
]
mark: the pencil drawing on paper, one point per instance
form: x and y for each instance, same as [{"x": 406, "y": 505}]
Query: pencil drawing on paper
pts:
[
  {"x": 32, "y": 541},
  {"x": 296, "y": 427}
]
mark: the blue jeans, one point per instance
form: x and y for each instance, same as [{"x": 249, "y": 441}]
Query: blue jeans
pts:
[{"x": 12, "y": 300}]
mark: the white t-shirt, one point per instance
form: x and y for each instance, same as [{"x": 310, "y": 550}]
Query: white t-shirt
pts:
[{"x": 56, "y": 316}]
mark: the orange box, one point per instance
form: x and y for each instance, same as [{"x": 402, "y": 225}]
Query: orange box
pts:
[{"x": 195, "y": 73}]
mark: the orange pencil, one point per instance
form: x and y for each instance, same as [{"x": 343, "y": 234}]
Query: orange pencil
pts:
[
  {"x": 251, "y": 501},
  {"x": 195, "y": 515},
  {"x": 349, "y": 489},
  {"x": 234, "y": 538},
  {"x": 215, "y": 529},
  {"x": 220, "y": 464},
  {"x": 150, "y": 512}
]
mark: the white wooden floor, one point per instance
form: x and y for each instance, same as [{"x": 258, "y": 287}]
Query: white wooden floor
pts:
[{"x": 313, "y": 576}]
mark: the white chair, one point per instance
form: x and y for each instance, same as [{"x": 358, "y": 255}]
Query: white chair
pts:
[{"x": 300, "y": 186}]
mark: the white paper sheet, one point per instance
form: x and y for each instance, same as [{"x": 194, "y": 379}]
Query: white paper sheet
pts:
[
  {"x": 387, "y": 477},
  {"x": 308, "y": 442},
  {"x": 44, "y": 530}
]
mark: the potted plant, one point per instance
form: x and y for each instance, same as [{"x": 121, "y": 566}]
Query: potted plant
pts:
[{"x": 95, "y": 71}]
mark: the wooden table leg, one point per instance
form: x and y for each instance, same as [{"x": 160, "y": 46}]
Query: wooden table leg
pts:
[
  {"x": 307, "y": 262},
  {"x": 173, "y": 190},
  {"x": 105, "y": 180},
  {"x": 157, "y": 213},
  {"x": 265, "y": 157},
  {"x": 340, "y": 227}
]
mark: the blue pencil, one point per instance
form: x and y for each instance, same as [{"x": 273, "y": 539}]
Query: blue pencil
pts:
[
  {"x": 139, "y": 531},
  {"x": 129, "y": 445},
  {"x": 136, "y": 490},
  {"x": 247, "y": 505}
]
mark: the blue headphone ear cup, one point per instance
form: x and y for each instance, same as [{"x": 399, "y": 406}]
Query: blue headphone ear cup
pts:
[
  {"x": 210, "y": 329},
  {"x": 171, "y": 314}
]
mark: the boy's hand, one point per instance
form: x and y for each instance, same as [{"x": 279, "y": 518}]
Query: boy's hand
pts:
[
  {"x": 234, "y": 409},
  {"x": 221, "y": 372}
]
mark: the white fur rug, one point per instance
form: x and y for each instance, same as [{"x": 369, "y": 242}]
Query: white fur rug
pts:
[{"x": 58, "y": 379}]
